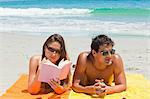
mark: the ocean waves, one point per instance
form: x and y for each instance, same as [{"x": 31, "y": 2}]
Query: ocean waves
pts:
[
  {"x": 73, "y": 27},
  {"x": 75, "y": 21},
  {"x": 35, "y": 12}
]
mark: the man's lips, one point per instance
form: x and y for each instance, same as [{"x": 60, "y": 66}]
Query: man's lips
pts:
[{"x": 108, "y": 59}]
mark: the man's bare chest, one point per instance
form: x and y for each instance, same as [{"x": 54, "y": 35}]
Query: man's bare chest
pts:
[{"x": 93, "y": 73}]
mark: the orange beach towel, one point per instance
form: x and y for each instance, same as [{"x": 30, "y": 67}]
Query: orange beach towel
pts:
[{"x": 19, "y": 91}]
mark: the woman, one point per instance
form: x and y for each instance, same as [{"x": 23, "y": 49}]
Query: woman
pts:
[{"x": 54, "y": 50}]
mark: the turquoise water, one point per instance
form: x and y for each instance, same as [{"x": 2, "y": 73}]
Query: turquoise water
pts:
[
  {"x": 75, "y": 3},
  {"x": 76, "y": 17},
  {"x": 122, "y": 11}
]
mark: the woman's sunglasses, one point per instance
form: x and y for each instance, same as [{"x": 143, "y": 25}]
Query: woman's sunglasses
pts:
[
  {"x": 105, "y": 53},
  {"x": 53, "y": 49}
]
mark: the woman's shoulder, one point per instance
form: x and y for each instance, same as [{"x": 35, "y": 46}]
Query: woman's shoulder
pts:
[
  {"x": 34, "y": 62},
  {"x": 35, "y": 58}
]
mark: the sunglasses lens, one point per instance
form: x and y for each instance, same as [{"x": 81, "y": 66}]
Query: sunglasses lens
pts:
[
  {"x": 105, "y": 53},
  {"x": 58, "y": 51},
  {"x": 53, "y": 50},
  {"x": 112, "y": 51}
]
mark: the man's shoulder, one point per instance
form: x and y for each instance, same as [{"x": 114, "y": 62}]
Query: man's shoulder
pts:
[
  {"x": 83, "y": 56},
  {"x": 117, "y": 61},
  {"x": 117, "y": 57},
  {"x": 82, "y": 61}
]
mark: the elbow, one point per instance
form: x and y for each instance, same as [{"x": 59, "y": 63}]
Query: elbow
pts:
[
  {"x": 34, "y": 88},
  {"x": 125, "y": 88},
  {"x": 33, "y": 91},
  {"x": 74, "y": 87}
]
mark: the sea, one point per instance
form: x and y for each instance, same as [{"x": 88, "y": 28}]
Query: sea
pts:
[{"x": 76, "y": 17}]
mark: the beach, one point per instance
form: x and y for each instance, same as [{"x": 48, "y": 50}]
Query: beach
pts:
[
  {"x": 17, "y": 49},
  {"x": 26, "y": 24}
]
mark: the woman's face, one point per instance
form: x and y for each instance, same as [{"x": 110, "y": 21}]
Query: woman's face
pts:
[{"x": 52, "y": 51}]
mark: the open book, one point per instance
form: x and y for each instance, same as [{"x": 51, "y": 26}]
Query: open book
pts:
[{"x": 48, "y": 70}]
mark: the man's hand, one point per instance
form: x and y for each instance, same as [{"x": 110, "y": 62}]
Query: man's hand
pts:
[
  {"x": 100, "y": 88},
  {"x": 100, "y": 83}
]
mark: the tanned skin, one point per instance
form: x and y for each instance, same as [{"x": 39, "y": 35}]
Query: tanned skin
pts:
[{"x": 92, "y": 68}]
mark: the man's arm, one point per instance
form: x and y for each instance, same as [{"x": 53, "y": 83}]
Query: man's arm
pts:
[
  {"x": 79, "y": 76},
  {"x": 119, "y": 75}
]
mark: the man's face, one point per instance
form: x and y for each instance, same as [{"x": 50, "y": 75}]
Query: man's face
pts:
[{"x": 105, "y": 54}]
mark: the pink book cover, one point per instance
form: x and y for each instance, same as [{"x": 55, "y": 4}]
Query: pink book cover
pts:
[{"x": 48, "y": 70}]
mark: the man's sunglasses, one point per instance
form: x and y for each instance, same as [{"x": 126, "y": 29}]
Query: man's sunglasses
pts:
[
  {"x": 105, "y": 53},
  {"x": 53, "y": 49}
]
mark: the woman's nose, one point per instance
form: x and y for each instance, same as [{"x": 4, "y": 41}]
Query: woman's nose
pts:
[{"x": 54, "y": 53}]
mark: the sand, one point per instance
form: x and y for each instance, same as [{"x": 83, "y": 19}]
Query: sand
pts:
[{"x": 16, "y": 50}]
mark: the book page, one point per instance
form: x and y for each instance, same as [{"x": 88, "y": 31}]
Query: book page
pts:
[
  {"x": 65, "y": 69},
  {"x": 48, "y": 70}
]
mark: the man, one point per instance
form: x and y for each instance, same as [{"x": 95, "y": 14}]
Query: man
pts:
[{"x": 96, "y": 70}]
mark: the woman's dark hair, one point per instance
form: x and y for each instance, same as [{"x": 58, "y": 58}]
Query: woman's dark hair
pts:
[
  {"x": 56, "y": 38},
  {"x": 99, "y": 41}
]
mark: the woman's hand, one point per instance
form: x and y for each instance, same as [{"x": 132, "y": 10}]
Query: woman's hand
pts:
[{"x": 57, "y": 87}]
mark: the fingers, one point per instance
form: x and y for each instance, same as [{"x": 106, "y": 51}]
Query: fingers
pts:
[
  {"x": 56, "y": 87},
  {"x": 97, "y": 84},
  {"x": 53, "y": 83},
  {"x": 100, "y": 83},
  {"x": 97, "y": 80},
  {"x": 103, "y": 89},
  {"x": 56, "y": 80},
  {"x": 53, "y": 86},
  {"x": 99, "y": 90}
]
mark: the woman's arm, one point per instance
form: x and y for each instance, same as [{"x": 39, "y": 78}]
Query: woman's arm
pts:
[
  {"x": 68, "y": 81},
  {"x": 33, "y": 83}
]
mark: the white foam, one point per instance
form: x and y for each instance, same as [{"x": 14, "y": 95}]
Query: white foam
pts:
[
  {"x": 89, "y": 26},
  {"x": 41, "y": 12}
]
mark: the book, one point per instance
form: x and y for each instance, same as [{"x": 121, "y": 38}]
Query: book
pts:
[{"x": 48, "y": 70}]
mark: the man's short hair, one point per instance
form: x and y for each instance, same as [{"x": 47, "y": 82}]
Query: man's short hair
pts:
[{"x": 99, "y": 41}]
